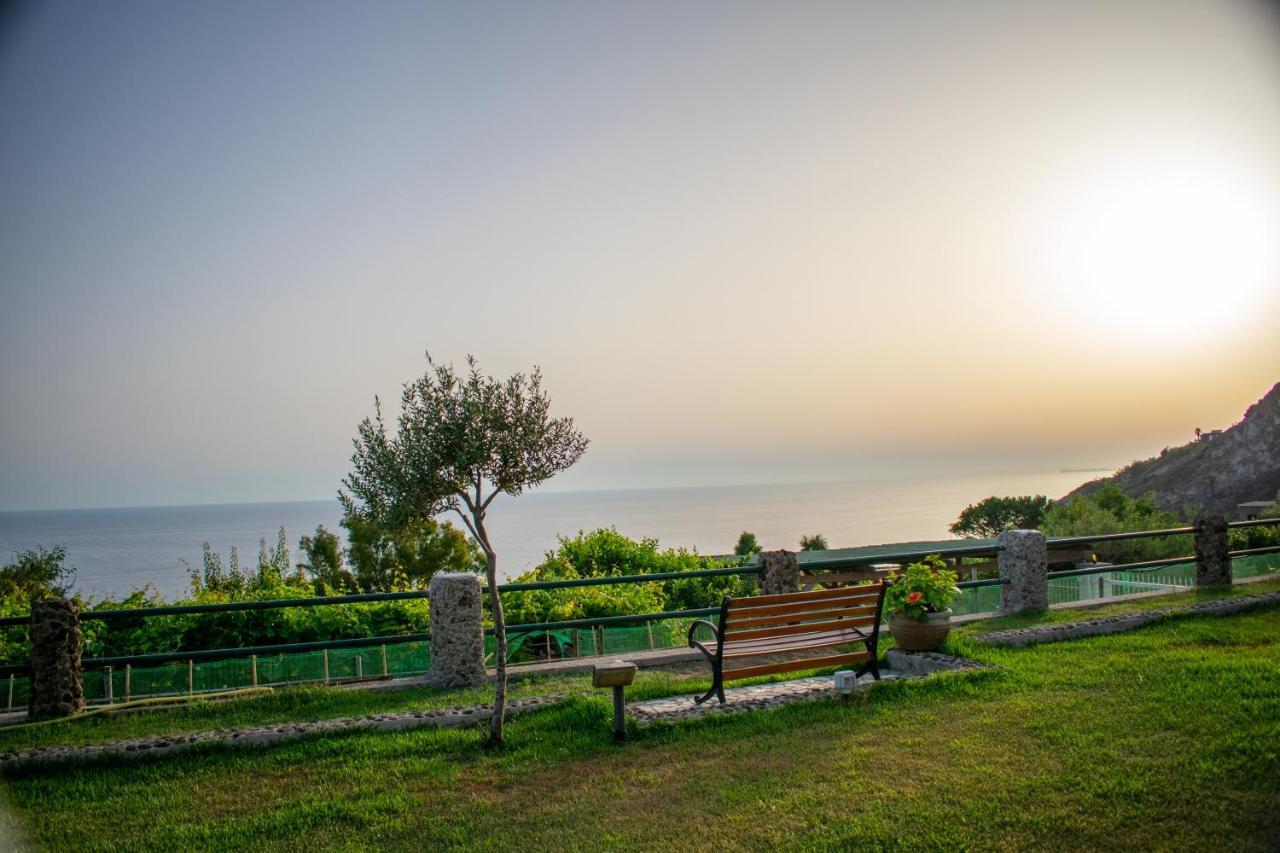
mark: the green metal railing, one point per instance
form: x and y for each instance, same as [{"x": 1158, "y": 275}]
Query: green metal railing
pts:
[{"x": 979, "y": 594}]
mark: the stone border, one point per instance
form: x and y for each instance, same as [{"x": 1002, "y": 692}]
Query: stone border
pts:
[
  {"x": 1124, "y": 622},
  {"x": 270, "y": 734},
  {"x": 900, "y": 666}
]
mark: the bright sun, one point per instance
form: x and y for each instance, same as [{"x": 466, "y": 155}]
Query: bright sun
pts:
[{"x": 1165, "y": 246}]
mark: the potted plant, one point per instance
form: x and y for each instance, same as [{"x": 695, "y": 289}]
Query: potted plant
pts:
[{"x": 918, "y": 602}]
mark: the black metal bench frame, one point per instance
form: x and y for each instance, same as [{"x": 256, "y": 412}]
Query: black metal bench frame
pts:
[{"x": 716, "y": 658}]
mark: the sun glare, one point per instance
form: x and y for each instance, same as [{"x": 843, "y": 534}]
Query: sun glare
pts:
[{"x": 1161, "y": 247}]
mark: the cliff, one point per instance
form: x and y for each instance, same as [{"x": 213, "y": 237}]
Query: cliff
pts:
[{"x": 1216, "y": 472}]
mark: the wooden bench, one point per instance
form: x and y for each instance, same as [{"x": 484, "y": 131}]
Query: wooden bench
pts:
[{"x": 765, "y": 625}]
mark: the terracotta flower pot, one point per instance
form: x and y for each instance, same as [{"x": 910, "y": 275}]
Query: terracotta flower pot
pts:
[{"x": 915, "y": 636}]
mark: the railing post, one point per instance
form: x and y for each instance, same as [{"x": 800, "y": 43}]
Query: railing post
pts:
[
  {"x": 128, "y": 682},
  {"x": 1023, "y": 560},
  {"x": 253, "y": 664},
  {"x": 779, "y": 572},
  {"x": 385, "y": 673},
  {"x": 57, "y": 685},
  {"x": 106, "y": 684},
  {"x": 1213, "y": 563},
  {"x": 457, "y": 630}
]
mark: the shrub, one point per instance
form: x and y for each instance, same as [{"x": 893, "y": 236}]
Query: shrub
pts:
[
  {"x": 1109, "y": 510},
  {"x": 747, "y": 544},
  {"x": 606, "y": 552},
  {"x": 813, "y": 542}
]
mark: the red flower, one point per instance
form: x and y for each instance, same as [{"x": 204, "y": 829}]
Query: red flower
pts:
[{"x": 914, "y": 597}]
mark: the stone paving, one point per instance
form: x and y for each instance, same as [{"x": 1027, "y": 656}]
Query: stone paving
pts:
[
  {"x": 1124, "y": 622},
  {"x": 755, "y": 697},
  {"x": 269, "y": 734}
]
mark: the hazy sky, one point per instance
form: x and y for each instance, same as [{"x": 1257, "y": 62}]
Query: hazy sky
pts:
[{"x": 745, "y": 242}]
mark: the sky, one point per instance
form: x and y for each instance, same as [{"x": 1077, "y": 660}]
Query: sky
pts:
[{"x": 745, "y": 242}]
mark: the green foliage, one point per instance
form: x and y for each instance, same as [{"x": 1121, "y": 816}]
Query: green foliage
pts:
[
  {"x": 747, "y": 545},
  {"x": 1110, "y": 510},
  {"x": 606, "y": 552},
  {"x": 35, "y": 574},
  {"x": 921, "y": 588},
  {"x": 323, "y": 561},
  {"x": 813, "y": 542},
  {"x": 273, "y": 566},
  {"x": 992, "y": 516},
  {"x": 461, "y": 440},
  {"x": 406, "y": 556},
  {"x": 40, "y": 573}
]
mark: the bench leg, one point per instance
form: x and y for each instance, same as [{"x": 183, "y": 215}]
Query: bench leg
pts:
[
  {"x": 872, "y": 666},
  {"x": 716, "y": 689}
]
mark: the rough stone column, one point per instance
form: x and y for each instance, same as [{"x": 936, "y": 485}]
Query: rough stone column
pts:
[
  {"x": 1213, "y": 566},
  {"x": 1024, "y": 560},
  {"x": 778, "y": 572},
  {"x": 56, "y": 687},
  {"x": 457, "y": 630}
]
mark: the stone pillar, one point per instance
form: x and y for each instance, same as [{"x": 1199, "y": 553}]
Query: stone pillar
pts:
[
  {"x": 457, "y": 630},
  {"x": 1024, "y": 560},
  {"x": 778, "y": 572},
  {"x": 1213, "y": 566},
  {"x": 56, "y": 687}
]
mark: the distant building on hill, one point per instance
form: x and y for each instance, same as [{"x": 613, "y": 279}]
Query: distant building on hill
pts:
[{"x": 1249, "y": 510}]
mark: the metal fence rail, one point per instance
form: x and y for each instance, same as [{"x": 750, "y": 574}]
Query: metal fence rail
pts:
[{"x": 899, "y": 557}]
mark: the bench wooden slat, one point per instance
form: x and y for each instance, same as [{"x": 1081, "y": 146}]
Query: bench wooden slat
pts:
[
  {"x": 848, "y": 599},
  {"x": 788, "y": 597},
  {"x": 798, "y": 639},
  {"x": 803, "y": 628},
  {"x": 778, "y": 645},
  {"x": 792, "y": 665},
  {"x": 736, "y": 624}
]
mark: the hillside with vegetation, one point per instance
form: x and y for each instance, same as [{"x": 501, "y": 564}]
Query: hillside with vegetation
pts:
[{"x": 1216, "y": 472}]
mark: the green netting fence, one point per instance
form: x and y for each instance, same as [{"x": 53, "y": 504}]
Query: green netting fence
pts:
[
  {"x": 986, "y": 599},
  {"x": 340, "y": 666}
]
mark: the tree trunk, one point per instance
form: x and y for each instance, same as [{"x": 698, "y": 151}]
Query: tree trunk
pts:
[{"x": 498, "y": 720}]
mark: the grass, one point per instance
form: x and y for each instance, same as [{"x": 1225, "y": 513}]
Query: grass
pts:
[{"x": 1166, "y": 737}]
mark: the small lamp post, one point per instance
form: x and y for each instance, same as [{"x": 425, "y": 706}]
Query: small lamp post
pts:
[{"x": 616, "y": 674}]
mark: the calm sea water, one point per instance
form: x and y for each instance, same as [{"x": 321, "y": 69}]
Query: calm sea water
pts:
[{"x": 118, "y": 550}]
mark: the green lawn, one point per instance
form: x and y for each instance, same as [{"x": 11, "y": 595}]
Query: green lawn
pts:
[{"x": 1166, "y": 737}]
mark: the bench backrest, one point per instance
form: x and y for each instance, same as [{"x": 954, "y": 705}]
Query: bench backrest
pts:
[{"x": 817, "y": 611}]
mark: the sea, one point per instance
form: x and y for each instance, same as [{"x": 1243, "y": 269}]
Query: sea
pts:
[{"x": 118, "y": 550}]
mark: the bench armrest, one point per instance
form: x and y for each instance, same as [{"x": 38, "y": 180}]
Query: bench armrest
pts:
[{"x": 694, "y": 626}]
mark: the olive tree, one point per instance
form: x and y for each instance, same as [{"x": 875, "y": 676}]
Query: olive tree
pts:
[{"x": 461, "y": 441}]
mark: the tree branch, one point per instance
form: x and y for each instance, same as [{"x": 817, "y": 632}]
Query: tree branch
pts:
[
  {"x": 462, "y": 515},
  {"x": 489, "y": 499}
]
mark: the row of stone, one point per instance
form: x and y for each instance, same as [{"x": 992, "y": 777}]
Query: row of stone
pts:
[
  {"x": 757, "y": 697},
  {"x": 270, "y": 734},
  {"x": 1124, "y": 622}
]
